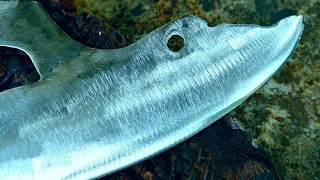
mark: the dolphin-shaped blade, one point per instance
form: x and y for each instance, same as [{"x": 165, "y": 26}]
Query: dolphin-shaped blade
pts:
[{"x": 98, "y": 111}]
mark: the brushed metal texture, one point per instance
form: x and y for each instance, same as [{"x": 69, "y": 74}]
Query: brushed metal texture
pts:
[{"x": 98, "y": 111}]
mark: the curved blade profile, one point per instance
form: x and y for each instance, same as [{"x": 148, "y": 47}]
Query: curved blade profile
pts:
[{"x": 97, "y": 111}]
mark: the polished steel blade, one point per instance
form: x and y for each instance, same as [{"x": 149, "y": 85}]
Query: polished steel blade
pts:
[{"x": 98, "y": 111}]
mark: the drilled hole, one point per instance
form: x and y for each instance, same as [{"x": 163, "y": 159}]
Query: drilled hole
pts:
[
  {"x": 16, "y": 69},
  {"x": 175, "y": 43}
]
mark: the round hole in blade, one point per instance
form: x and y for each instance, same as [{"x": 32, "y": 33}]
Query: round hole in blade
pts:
[{"x": 175, "y": 43}]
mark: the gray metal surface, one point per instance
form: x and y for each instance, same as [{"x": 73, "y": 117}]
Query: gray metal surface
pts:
[{"x": 97, "y": 111}]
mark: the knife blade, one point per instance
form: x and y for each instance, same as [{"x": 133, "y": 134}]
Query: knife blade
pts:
[{"x": 98, "y": 111}]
